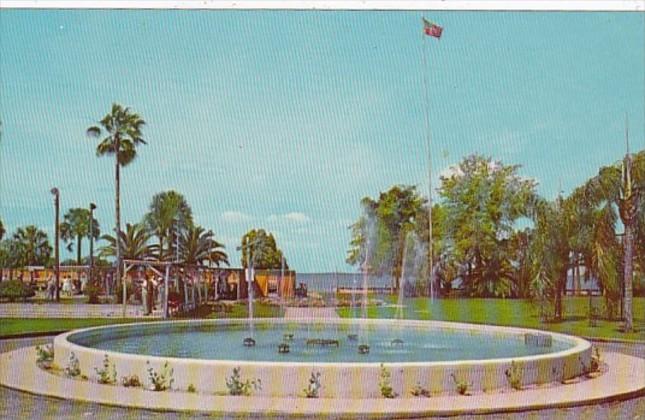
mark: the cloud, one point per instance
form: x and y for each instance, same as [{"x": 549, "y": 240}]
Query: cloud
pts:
[
  {"x": 295, "y": 217},
  {"x": 235, "y": 216}
]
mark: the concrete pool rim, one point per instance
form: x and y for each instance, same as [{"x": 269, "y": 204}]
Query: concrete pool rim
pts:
[
  {"x": 348, "y": 379},
  {"x": 622, "y": 381}
]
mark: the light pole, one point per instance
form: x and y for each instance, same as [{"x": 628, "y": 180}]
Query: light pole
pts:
[
  {"x": 56, "y": 194},
  {"x": 92, "y": 208}
]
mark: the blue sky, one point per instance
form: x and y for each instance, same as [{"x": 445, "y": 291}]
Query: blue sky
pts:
[{"x": 285, "y": 119}]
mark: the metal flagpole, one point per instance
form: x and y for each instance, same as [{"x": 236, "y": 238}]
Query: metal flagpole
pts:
[{"x": 428, "y": 152}]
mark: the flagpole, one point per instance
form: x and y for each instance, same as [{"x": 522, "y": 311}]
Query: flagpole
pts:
[{"x": 428, "y": 151}]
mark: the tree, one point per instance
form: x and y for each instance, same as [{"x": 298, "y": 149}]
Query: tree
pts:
[
  {"x": 198, "y": 246},
  {"x": 264, "y": 250},
  {"x": 379, "y": 236},
  {"x": 169, "y": 215},
  {"x": 2, "y": 230},
  {"x": 32, "y": 246},
  {"x": 483, "y": 199},
  {"x": 621, "y": 185},
  {"x": 133, "y": 244},
  {"x": 76, "y": 226},
  {"x": 121, "y": 131},
  {"x": 10, "y": 256}
]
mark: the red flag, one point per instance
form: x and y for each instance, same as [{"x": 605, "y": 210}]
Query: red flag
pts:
[{"x": 431, "y": 29}]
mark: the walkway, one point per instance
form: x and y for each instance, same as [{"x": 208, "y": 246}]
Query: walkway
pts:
[{"x": 315, "y": 313}]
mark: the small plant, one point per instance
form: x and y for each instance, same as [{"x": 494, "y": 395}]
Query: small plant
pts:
[
  {"x": 313, "y": 389},
  {"x": 236, "y": 386},
  {"x": 461, "y": 385},
  {"x": 162, "y": 380},
  {"x": 595, "y": 360},
  {"x": 191, "y": 388},
  {"x": 73, "y": 368},
  {"x": 45, "y": 353},
  {"x": 107, "y": 374},
  {"x": 385, "y": 383},
  {"x": 514, "y": 376},
  {"x": 131, "y": 381},
  {"x": 419, "y": 391}
]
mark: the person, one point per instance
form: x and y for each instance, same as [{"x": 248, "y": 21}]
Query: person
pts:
[
  {"x": 144, "y": 295},
  {"x": 83, "y": 282},
  {"x": 68, "y": 287},
  {"x": 51, "y": 287}
]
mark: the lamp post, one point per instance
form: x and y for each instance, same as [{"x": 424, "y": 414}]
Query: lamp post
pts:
[
  {"x": 92, "y": 208},
  {"x": 56, "y": 194}
]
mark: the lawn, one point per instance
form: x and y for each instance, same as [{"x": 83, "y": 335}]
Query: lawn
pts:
[
  {"x": 15, "y": 326},
  {"x": 512, "y": 312}
]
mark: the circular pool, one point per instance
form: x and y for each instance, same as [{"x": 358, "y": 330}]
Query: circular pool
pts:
[{"x": 434, "y": 355}]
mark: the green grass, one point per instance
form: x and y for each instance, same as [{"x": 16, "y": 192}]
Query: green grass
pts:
[
  {"x": 14, "y": 326},
  {"x": 513, "y": 312}
]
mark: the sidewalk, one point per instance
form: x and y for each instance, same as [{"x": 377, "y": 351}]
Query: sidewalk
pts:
[{"x": 316, "y": 313}]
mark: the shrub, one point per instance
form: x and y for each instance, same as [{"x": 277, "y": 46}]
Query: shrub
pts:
[
  {"x": 191, "y": 388},
  {"x": 73, "y": 368},
  {"x": 130, "y": 381},
  {"x": 45, "y": 353},
  {"x": 461, "y": 385},
  {"x": 514, "y": 376},
  {"x": 238, "y": 387},
  {"x": 14, "y": 290},
  {"x": 595, "y": 360},
  {"x": 93, "y": 290},
  {"x": 385, "y": 383},
  {"x": 419, "y": 391},
  {"x": 107, "y": 374},
  {"x": 313, "y": 389},
  {"x": 162, "y": 380}
]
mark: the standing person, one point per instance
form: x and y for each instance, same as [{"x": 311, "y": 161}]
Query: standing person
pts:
[
  {"x": 83, "y": 282},
  {"x": 144, "y": 295},
  {"x": 51, "y": 287}
]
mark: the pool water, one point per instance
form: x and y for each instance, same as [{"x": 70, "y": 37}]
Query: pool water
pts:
[{"x": 225, "y": 342}]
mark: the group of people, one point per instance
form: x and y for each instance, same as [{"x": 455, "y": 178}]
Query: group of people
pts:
[{"x": 69, "y": 287}]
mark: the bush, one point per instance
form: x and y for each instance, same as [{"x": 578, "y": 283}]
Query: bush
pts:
[
  {"x": 131, "y": 381},
  {"x": 107, "y": 374},
  {"x": 162, "y": 380},
  {"x": 14, "y": 290},
  {"x": 93, "y": 290},
  {"x": 236, "y": 386},
  {"x": 514, "y": 376},
  {"x": 45, "y": 353},
  {"x": 385, "y": 383},
  {"x": 461, "y": 385},
  {"x": 73, "y": 368},
  {"x": 313, "y": 389}
]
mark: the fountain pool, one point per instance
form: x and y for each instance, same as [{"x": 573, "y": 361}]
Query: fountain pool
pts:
[{"x": 433, "y": 354}]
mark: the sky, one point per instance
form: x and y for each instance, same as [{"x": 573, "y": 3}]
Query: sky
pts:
[{"x": 284, "y": 120}]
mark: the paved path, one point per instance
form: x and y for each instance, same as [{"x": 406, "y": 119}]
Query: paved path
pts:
[
  {"x": 71, "y": 310},
  {"x": 316, "y": 313}
]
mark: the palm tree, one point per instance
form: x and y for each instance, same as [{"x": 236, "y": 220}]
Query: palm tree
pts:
[
  {"x": 32, "y": 246},
  {"x": 198, "y": 246},
  {"x": 76, "y": 226},
  {"x": 121, "y": 129},
  {"x": 620, "y": 186},
  {"x": 2, "y": 230},
  {"x": 133, "y": 244},
  {"x": 169, "y": 214}
]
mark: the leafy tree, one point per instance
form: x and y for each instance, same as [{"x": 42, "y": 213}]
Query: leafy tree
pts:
[
  {"x": 10, "y": 256},
  {"x": 2, "y": 230},
  {"x": 76, "y": 226},
  {"x": 379, "y": 236},
  {"x": 198, "y": 246},
  {"x": 121, "y": 133},
  {"x": 169, "y": 214},
  {"x": 264, "y": 250},
  {"x": 483, "y": 199},
  {"x": 133, "y": 244}
]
